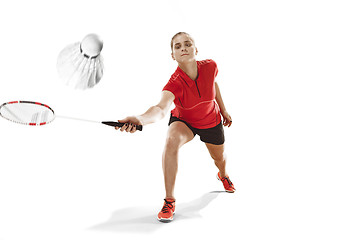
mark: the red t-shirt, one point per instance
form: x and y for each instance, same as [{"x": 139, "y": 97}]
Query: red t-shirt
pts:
[{"x": 195, "y": 99}]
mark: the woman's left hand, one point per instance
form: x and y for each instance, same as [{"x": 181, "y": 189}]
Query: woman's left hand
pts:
[{"x": 227, "y": 119}]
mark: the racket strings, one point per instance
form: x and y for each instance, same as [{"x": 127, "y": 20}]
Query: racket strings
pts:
[
  {"x": 40, "y": 118},
  {"x": 8, "y": 113},
  {"x": 34, "y": 118}
]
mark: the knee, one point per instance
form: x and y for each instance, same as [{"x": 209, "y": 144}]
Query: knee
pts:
[{"x": 173, "y": 143}]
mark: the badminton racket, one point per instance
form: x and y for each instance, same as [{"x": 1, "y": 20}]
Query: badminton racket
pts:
[{"x": 38, "y": 114}]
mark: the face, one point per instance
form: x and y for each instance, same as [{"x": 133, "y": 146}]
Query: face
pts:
[{"x": 183, "y": 49}]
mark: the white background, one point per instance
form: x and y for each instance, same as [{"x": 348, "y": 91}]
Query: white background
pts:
[{"x": 289, "y": 76}]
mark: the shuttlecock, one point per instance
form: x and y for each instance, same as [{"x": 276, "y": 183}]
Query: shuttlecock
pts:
[{"x": 80, "y": 64}]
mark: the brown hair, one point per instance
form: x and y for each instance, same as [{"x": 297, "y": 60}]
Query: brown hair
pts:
[{"x": 179, "y": 33}]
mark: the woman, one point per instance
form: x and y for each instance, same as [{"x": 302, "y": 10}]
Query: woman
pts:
[{"x": 194, "y": 91}]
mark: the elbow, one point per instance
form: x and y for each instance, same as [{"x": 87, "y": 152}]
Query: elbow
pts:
[{"x": 161, "y": 111}]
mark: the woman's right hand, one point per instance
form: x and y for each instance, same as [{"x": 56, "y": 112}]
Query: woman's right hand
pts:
[
  {"x": 153, "y": 114},
  {"x": 130, "y": 124}
]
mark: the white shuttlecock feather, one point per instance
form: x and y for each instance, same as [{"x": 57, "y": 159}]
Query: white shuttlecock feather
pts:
[{"x": 80, "y": 64}]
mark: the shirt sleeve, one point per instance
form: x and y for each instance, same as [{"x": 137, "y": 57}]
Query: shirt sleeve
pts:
[
  {"x": 171, "y": 86},
  {"x": 216, "y": 69}
]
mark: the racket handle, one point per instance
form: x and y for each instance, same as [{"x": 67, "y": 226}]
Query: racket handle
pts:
[{"x": 118, "y": 124}]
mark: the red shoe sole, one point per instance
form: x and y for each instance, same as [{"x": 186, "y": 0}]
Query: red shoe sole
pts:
[{"x": 166, "y": 220}]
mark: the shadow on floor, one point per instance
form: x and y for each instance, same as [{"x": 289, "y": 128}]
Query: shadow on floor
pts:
[{"x": 143, "y": 219}]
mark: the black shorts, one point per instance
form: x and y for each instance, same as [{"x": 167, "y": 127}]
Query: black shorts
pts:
[{"x": 214, "y": 135}]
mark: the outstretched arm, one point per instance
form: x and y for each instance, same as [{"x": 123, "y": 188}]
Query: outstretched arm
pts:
[
  {"x": 220, "y": 102},
  {"x": 153, "y": 114}
]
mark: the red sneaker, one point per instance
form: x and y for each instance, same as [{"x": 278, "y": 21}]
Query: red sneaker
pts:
[
  {"x": 228, "y": 185},
  {"x": 167, "y": 212}
]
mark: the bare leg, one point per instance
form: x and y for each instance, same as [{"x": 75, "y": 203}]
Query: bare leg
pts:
[
  {"x": 217, "y": 153},
  {"x": 178, "y": 135}
]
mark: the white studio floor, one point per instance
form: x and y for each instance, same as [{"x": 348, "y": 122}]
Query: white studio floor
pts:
[
  {"x": 289, "y": 76},
  {"x": 90, "y": 186}
]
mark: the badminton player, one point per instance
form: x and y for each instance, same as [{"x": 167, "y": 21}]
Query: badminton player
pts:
[{"x": 198, "y": 110}]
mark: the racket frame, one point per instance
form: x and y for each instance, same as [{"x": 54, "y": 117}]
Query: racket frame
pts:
[
  {"x": 29, "y": 102},
  {"x": 109, "y": 123}
]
